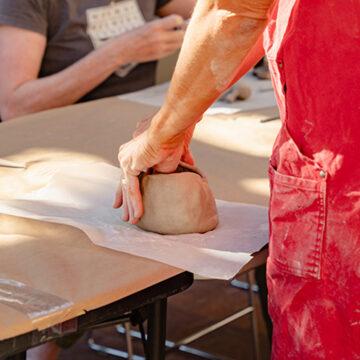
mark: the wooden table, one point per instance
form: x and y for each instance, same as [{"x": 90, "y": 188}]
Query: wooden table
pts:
[
  {"x": 103, "y": 286},
  {"x": 148, "y": 304}
]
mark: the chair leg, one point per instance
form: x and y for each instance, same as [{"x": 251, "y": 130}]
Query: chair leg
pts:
[
  {"x": 109, "y": 350},
  {"x": 254, "y": 324},
  {"x": 129, "y": 341}
]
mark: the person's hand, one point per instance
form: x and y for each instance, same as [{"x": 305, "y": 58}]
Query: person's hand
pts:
[
  {"x": 144, "y": 152},
  {"x": 154, "y": 40},
  {"x": 143, "y": 124}
]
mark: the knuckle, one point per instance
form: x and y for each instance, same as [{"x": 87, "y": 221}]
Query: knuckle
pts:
[
  {"x": 179, "y": 19},
  {"x": 175, "y": 19},
  {"x": 123, "y": 163}
]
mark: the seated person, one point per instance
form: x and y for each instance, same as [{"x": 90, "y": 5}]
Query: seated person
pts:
[{"x": 59, "y": 52}]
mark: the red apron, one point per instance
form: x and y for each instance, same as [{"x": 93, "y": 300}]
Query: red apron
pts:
[{"x": 313, "y": 48}]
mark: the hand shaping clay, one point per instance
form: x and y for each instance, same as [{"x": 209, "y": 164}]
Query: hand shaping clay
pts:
[{"x": 177, "y": 203}]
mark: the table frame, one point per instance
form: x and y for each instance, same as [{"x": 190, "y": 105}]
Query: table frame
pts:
[{"x": 153, "y": 299}]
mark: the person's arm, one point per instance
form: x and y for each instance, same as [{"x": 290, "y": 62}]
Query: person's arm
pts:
[
  {"x": 216, "y": 49},
  {"x": 184, "y": 8},
  {"x": 217, "y": 42},
  {"x": 22, "y": 92}
]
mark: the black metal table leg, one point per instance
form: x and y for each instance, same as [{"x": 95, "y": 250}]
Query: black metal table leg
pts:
[
  {"x": 157, "y": 330},
  {"x": 111, "y": 314}
]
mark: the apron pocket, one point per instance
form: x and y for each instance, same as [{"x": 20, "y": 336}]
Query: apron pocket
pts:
[{"x": 297, "y": 223}]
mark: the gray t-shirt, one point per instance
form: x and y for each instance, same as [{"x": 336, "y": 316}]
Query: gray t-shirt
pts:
[{"x": 74, "y": 27}]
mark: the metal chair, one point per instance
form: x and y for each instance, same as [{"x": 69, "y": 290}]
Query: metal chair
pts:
[{"x": 183, "y": 344}]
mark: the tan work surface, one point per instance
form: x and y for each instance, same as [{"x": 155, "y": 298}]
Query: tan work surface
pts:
[{"x": 59, "y": 259}]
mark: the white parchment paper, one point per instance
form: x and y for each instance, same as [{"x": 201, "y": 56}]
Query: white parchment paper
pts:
[{"x": 82, "y": 196}]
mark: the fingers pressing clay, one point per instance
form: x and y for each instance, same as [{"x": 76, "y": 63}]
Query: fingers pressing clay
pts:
[
  {"x": 187, "y": 157},
  {"x": 118, "y": 201}
]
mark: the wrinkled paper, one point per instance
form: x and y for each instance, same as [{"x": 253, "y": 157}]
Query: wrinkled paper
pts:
[{"x": 82, "y": 196}]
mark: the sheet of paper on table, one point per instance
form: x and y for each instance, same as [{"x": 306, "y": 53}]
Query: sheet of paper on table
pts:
[
  {"x": 262, "y": 97},
  {"x": 82, "y": 196}
]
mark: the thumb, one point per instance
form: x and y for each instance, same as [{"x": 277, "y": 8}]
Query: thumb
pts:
[
  {"x": 187, "y": 157},
  {"x": 167, "y": 166}
]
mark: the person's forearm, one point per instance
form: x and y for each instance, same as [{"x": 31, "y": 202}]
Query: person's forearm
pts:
[
  {"x": 218, "y": 40},
  {"x": 183, "y": 8},
  {"x": 67, "y": 86}
]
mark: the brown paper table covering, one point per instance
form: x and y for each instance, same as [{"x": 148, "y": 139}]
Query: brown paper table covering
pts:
[
  {"x": 56, "y": 259},
  {"x": 37, "y": 253}
]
